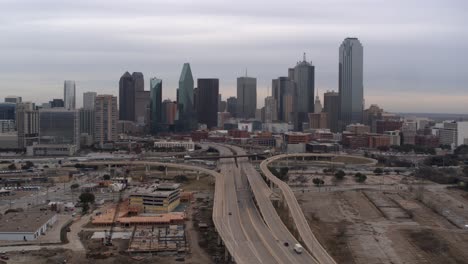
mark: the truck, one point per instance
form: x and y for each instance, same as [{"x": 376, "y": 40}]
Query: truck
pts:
[{"x": 298, "y": 248}]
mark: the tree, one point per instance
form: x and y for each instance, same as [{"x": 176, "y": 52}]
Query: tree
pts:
[
  {"x": 339, "y": 175},
  {"x": 28, "y": 165},
  {"x": 282, "y": 174},
  {"x": 318, "y": 182},
  {"x": 74, "y": 186},
  {"x": 378, "y": 171},
  {"x": 359, "y": 177},
  {"x": 106, "y": 177},
  {"x": 12, "y": 167},
  {"x": 86, "y": 197}
]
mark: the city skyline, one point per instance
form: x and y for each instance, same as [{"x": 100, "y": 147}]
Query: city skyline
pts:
[{"x": 396, "y": 61}]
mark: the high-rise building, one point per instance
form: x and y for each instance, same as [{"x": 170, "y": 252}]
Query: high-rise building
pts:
[
  {"x": 59, "y": 126},
  {"x": 105, "y": 119},
  {"x": 27, "y": 124},
  {"x": 318, "y": 120},
  {"x": 126, "y": 97},
  {"x": 271, "y": 113},
  {"x": 88, "y": 100},
  {"x": 142, "y": 107},
  {"x": 156, "y": 104},
  {"x": 69, "y": 94},
  {"x": 57, "y": 103},
  {"x": 350, "y": 81},
  {"x": 231, "y": 105},
  {"x": 317, "y": 105},
  {"x": 208, "y": 90},
  {"x": 284, "y": 92},
  {"x": 13, "y": 99},
  {"x": 7, "y": 126},
  {"x": 187, "y": 118},
  {"x": 246, "y": 97},
  {"x": 169, "y": 112},
  {"x": 7, "y": 111},
  {"x": 87, "y": 121},
  {"x": 331, "y": 106},
  {"x": 304, "y": 79},
  {"x": 139, "y": 81}
]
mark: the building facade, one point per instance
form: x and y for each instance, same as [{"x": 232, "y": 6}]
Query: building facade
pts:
[
  {"x": 69, "y": 95},
  {"x": 304, "y": 79},
  {"x": 126, "y": 98},
  {"x": 105, "y": 119},
  {"x": 27, "y": 124},
  {"x": 59, "y": 126},
  {"x": 156, "y": 104},
  {"x": 88, "y": 100},
  {"x": 185, "y": 101},
  {"x": 350, "y": 81},
  {"x": 208, "y": 90},
  {"x": 331, "y": 106},
  {"x": 246, "y": 97}
]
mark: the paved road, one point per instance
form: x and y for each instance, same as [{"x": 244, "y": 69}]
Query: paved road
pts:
[{"x": 308, "y": 238}]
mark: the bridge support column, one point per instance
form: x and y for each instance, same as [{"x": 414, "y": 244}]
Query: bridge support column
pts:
[{"x": 198, "y": 175}]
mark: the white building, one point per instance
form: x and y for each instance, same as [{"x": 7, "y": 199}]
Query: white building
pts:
[
  {"x": 395, "y": 138},
  {"x": 69, "y": 95},
  {"x": 51, "y": 150},
  {"x": 26, "y": 226},
  {"x": 278, "y": 127},
  {"x": 187, "y": 145},
  {"x": 452, "y": 133}
]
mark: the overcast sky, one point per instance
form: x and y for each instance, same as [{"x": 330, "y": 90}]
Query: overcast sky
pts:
[{"x": 415, "y": 57}]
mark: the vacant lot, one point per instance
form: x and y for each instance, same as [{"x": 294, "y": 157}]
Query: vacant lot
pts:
[{"x": 372, "y": 226}]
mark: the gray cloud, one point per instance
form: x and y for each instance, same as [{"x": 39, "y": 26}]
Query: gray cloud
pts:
[{"x": 410, "y": 46}]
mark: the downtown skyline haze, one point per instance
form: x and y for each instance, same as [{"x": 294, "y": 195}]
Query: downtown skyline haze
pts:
[{"x": 413, "y": 50}]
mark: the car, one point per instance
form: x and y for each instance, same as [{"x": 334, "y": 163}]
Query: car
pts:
[
  {"x": 4, "y": 257},
  {"x": 230, "y": 213},
  {"x": 286, "y": 244}
]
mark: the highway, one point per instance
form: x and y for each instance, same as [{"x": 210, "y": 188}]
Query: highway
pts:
[{"x": 309, "y": 240}]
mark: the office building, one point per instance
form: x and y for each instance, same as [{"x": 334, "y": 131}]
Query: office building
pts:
[
  {"x": 317, "y": 105},
  {"x": 59, "y": 126},
  {"x": 7, "y": 126},
  {"x": 350, "y": 81},
  {"x": 395, "y": 138},
  {"x": 159, "y": 198},
  {"x": 304, "y": 79},
  {"x": 88, "y": 100},
  {"x": 246, "y": 97},
  {"x": 13, "y": 99},
  {"x": 87, "y": 121},
  {"x": 187, "y": 118},
  {"x": 318, "y": 120},
  {"x": 7, "y": 111},
  {"x": 358, "y": 129},
  {"x": 284, "y": 92},
  {"x": 231, "y": 106},
  {"x": 57, "y": 103},
  {"x": 156, "y": 104},
  {"x": 169, "y": 112},
  {"x": 271, "y": 113},
  {"x": 453, "y": 133},
  {"x": 27, "y": 124},
  {"x": 142, "y": 107},
  {"x": 331, "y": 106},
  {"x": 126, "y": 98},
  {"x": 208, "y": 90},
  {"x": 105, "y": 119},
  {"x": 69, "y": 94}
]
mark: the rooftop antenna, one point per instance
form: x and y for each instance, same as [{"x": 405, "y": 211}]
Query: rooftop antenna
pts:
[
  {"x": 246, "y": 72},
  {"x": 304, "y": 56}
]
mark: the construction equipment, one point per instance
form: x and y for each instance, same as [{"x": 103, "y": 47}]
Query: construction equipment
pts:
[{"x": 108, "y": 240}]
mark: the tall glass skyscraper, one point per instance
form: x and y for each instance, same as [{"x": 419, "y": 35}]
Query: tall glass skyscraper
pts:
[
  {"x": 126, "y": 97},
  {"x": 69, "y": 95},
  {"x": 304, "y": 79},
  {"x": 156, "y": 104},
  {"x": 350, "y": 82},
  {"x": 187, "y": 119},
  {"x": 207, "y": 110},
  {"x": 246, "y": 97},
  {"x": 89, "y": 100}
]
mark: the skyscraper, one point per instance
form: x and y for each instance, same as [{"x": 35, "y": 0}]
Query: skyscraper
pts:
[
  {"x": 106, "y": 119},
  {"x": 246, "y": 97},
  {"x": 13, "y": 99},
  {"x": 317, "y": 105},
  {"x": 208, "y": 90},
  {"x": 304, "y": 79},
  {"x": 59, "y": 126},
  {"x": 271, "y": 113},
  {"x": 7, "y": 111},
  {"x": 350, "y": 82},
  {"x": 187, "y": 119},
  {"x": 156, "y": 104},
  {"x": 139, "y": 81},
  {"x": 169, "y": 112},
  {"x": 69, "y": 95},
  {"x": 57, "y": 103},
  {"x": 27, "y": 124},
  {"x": 126, "y": 97},
  {"x": 331, "y": 106},
  {"x": 231, "y": 105},
  {"x": 87, "y": 122},
  {"x": 284, "y": 92},
  {"x": 88, "y": 100}
]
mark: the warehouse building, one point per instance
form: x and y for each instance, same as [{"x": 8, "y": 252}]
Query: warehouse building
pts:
[{"x": 26, "y": 226}]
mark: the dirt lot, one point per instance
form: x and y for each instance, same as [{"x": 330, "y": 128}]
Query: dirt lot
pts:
[{"x": 372, "y": 226}]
